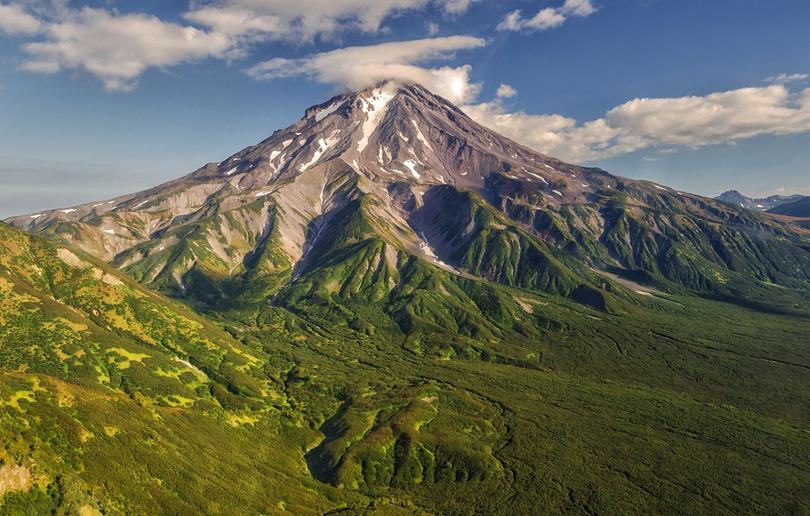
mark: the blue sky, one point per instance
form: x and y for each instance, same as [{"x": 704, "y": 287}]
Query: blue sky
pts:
[{"x": 103, "y": 98}]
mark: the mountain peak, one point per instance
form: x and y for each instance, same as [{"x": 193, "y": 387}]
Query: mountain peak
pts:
[
  {"x": 763, "y": 204},
  {"x": 393, "y": 131}
]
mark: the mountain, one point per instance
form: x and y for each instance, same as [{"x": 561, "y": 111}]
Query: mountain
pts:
[
  {"x": 797, "y": 208},
  {"x": 768, "y": 203},
  {"x": 391, "y": 309},
  {"x": 368, "y": 182}
]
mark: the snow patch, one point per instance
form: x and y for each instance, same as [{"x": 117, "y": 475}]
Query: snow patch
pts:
[
  {"x": 424, "y": 246},
  {"x": 140, "y": 204},
  {"x": 71, "y": 210},
  {"x": 374, "y": 108},
  {"x": 262, "y": 194},
  {"x": 660, "y": 188},
  {"x": 558, "y": 192},
  {"x": 231, "y": 171},
  {"x": 38, "y": 215},
  {"x": 323, "y": 146},
  {"x": 108, "y": 231},
  {"x": 325, "y": 112},
  {"x": 419, "y": 135},
  {"x": 541, "y": 178},
  {"x": 411, "y": 164}
]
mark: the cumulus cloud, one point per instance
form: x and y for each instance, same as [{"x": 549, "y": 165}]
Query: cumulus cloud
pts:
[
  {"x": 547, "y": 18},
  {"x": 785, "y": 78},
  {"x": 359, "y": 67},
  {"x": 506, "y": 91},
  {"x": 14, "y": 20},
  {"x": 118, "y": 48},
  {"x": 305, "y": 19},
  {"x": 649, "y": 123}
]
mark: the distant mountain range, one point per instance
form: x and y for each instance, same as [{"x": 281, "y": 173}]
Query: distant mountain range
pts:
[
  {"x": 764, "y": 204},
  {"x": 796, "y": 208},
  {"x": 387, "y": 308}
]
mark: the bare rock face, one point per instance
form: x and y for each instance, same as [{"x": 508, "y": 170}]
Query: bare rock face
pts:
[{"x": 429, "y": 182}]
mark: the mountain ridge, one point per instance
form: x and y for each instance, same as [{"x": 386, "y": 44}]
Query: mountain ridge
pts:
[{"x": 795, "y": 208}]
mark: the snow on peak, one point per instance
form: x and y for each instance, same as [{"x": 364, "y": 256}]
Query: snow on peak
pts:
[
  {"x": 325, "y": 112},
  {"x": 374, "y": 110},
  {"x": 419, "y": 135},
  {"x": 323, "y": 146}
]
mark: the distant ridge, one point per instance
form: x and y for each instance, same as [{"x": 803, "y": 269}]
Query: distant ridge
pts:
[{"x": 749, "y": 203}]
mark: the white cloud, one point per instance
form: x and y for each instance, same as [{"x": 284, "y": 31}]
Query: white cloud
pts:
[
  {"x": 14, "y": 20},
  {"x": 360, "y": 67},
  {"x": 785, "y": 78},
  {"x": 548, "y": 17},
  {"x": 119, "y": 48},
  {"x": 506, "y": 91},
  {"x": 578, "y": 8},
  {"x": 236, "y": 21},
  {"x": 303, "y": 20},
  {"x": 664, "y": 123}
]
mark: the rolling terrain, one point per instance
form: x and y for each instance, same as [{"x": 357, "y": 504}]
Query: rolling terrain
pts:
[{"x": 388, "y": 308}]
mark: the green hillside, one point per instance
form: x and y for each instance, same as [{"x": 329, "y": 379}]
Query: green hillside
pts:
[{"x": 378, "y": 382}]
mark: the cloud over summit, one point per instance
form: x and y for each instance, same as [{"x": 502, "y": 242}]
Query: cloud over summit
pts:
[{"x": 359, "y": 67}]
